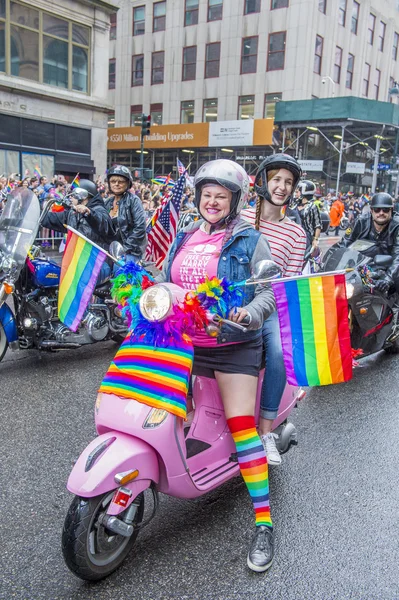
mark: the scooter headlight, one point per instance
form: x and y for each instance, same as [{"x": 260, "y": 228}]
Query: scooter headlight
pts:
[{"x": 155, "y": 303}]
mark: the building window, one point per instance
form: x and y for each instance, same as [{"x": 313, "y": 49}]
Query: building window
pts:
[
  {"x": 187, "y": 111},
  {"x": 246, "y": 107},
  {"x": 337, "y": 64},
  {"x": 159, "y": 17},
  {"x": 371, "y": 29},
  {"x": 249, "y": 54},
  {"x": 189, "y": 63},
  {"x": 251, "y": 6},
  {"x": 191, "y": 12},
  {"x": 112, "y": 26},
  {"x": 215, "y": 10},
  {"x": 156, "y": 113},
  {"x": 157, "y": 67},
  {"x": 42, "y": 47},
  {"x": 111, "y": 73},
  {"x": 323, "y": 6},
  {"x": 349, "y": 71},
  {"x": 278, "y": 4},
  {"x": 381, "y": 36},
  {"x": 276, "y": 54},
  {"x": 139, "y": 20},
  {"x": 269, "y": 108},
  {"x": 318, "y": 54},
  {"x": 366, "y": 80},
  {"x": 111, "y": 119},
  {"x": 212, "y": 60},
  {"x": 355, "y": 16},
  {"x": 210, "y": 110},
  {"x": 342, "y": 12},
  {"x": 136, "y": 112},
  {"x": 377, "y": 81},
  {"x": 395, "y": 46},
  {"x": 137, "y": 69}
]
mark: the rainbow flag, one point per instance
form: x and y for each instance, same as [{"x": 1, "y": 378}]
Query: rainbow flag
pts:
[
  {"x": 80, "y": 268},
  {"x": 314, "y": 329},
  {"x": 75, "y": 182},
  {"x": 156, "y": 376},
  {"x": 168, "y": 181},
  {"x": 37, "y": 172}
]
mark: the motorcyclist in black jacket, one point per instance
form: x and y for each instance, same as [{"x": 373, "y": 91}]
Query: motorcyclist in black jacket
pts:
[
  {"x": 381, "y": 227},
  {"x": 88, "y": 216},
  {"x": 127, "y": 213}
]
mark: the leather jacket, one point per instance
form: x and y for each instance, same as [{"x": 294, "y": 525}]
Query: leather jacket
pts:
[
  {"x": 386, "y": 241},
  {"x": 97, "y": 226},
  {"x": 130, "y": 224}
]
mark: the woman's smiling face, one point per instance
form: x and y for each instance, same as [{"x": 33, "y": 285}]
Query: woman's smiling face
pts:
[
  {"x": 280, "y": 186},
  {"x": 215, "y": 203}
]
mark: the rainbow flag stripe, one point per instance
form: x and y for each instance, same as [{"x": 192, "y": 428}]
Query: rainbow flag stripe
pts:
[
  {"x": 313, "y": 315},
  {"x": 158, "y": 377},
  {"x": 80, "y": 268},
  {"x": 76, "y": 182}
]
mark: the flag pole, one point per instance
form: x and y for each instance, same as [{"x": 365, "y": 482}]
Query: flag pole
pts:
[
  {"x": 95, "y": 245},
  {"x": 296, "y": 277}
]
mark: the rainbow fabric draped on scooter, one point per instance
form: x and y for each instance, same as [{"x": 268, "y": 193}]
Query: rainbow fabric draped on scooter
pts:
[{"x": 153, "y": 375}]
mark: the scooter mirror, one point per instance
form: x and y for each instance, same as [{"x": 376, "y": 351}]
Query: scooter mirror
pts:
[
  {"x": 264, "y": 269},
  {"x": 116, "y": 250},
  {"x": 382, "y": 260}
]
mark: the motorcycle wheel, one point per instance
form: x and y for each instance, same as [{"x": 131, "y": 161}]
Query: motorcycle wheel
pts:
[
  {"x": 90, "y": 550},
  {"x": 3, "y": 342}
]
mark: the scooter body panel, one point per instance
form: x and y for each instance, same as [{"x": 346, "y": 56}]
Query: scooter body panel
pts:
[{"x": 8, "y": 322}]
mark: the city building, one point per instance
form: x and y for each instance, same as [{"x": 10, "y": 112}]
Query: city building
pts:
[
  {"x": 200, "y": 66},
  {"x": 53, "y": 86}
]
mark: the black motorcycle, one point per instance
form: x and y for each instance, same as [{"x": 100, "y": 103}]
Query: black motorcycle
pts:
[{"x": 373, "y": 315}]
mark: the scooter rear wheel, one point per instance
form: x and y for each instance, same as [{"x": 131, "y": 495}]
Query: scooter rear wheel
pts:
[
  {"x": 3, "y": 342},
  {"x": 90, "y": 550}
]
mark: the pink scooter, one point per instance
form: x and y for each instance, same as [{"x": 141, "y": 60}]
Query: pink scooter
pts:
[{"x": 139, "y": 448}]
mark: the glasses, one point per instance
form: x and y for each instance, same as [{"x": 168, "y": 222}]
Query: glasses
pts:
[
  {"x": 384, "y": 210},
  {"x": 117, "y": 181}
]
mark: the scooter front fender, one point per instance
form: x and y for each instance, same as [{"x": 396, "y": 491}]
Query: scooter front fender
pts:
[
  {"x": 7, "y": 320},
  {"x": 108, "y": 455}
]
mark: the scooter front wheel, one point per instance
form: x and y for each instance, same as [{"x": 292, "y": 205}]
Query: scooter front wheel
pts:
[{"x": 90, "y": 550}]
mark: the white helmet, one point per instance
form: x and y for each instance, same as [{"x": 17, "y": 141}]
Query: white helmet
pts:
[{"x": 229, "y": 175}]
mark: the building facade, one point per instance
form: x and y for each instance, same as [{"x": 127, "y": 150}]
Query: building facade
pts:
[
  {"x": 199, "y": 61},
  {"x": 53, "y": 86}
]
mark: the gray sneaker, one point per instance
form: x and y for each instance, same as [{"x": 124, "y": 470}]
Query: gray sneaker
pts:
[
  {"x": 269, "y": 444},
  {"x": 261, "y": 551}
]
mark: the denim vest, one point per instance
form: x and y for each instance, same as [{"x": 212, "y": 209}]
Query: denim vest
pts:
[{"x": 234, "y": 265}]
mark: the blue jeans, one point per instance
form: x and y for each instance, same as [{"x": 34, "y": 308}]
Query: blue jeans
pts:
[{"x": 275, "y": 376}]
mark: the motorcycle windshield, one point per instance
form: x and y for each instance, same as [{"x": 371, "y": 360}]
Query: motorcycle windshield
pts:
[
  {"x": 19, "y": 223},
  {"x": 337, "y": 259}
]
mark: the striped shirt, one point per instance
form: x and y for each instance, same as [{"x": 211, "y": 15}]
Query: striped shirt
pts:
[{"x": 287, "y": 242}]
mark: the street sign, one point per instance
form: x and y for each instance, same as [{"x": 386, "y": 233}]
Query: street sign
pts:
[
  {"x": 311, "y": 165},
  {"x": 383, "y": 167},
  {"x": 355, "y": 167}
]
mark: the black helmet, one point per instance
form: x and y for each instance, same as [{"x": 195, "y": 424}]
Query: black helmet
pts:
[
  {"x": 89, "y": 186},
  {"x": 307, "y": 188},
  {"x": 276, "y": 161},
  {"x": 121, "y": 171},
  {"x": 381, "y": 200}
]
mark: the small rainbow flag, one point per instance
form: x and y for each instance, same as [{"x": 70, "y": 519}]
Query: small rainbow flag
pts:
[
  {"x": 75, "y": 182},
  {"x": 314, "y": 329},
  {"x": 156, "y": 376},
  {"x": 80, "y": 268},
  {"x": 37, "y": 172}
]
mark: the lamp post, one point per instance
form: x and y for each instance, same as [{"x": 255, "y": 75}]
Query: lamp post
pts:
[{"x": 332, "y": 83}]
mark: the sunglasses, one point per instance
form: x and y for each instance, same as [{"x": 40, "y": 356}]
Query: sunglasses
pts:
[{"x": 384, "y": 210}]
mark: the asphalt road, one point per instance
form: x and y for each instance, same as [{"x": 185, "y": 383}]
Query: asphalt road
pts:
[{"x": 334, "y": 499}]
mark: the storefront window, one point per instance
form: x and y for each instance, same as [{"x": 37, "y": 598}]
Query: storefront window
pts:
[
  {"x": 31, "y": 161},
  {"x": 9, "y": 162}
]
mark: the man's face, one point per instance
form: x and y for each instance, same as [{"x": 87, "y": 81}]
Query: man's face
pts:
[{"x": 381, "y": 216}]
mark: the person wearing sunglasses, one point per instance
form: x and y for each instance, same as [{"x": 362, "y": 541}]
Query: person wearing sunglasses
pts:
[{"x": 380, "y": 226}]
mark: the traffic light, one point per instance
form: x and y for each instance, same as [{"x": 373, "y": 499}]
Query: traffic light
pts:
[{"x": 145, "y": 125}]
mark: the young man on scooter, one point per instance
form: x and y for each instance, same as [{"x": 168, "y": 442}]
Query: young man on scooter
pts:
[
  {"x": 381, "y": 227},
  {"x": 221, "y": 244}
]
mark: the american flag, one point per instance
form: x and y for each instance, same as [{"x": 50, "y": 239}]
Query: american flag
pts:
[
  {"x": 162, "y": 233},
  {"x": 181, "y": 168}
]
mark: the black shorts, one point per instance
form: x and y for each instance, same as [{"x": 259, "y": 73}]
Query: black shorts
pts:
[{"x": 245, "y": 358}]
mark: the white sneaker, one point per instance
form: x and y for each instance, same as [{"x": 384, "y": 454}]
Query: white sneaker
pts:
[{"x": 269, "y": 444}]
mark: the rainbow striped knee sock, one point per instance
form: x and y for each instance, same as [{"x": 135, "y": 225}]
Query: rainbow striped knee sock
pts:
[{"x": 253, "y": 465}]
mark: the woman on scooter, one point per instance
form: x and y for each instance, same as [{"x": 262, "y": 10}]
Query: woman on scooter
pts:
[
  {"x": 222, "y": 244},
  {"x": 275, "y": 182}
]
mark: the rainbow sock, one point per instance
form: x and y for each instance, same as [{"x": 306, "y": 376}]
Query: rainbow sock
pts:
[{"x": 253, "y": 465}]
